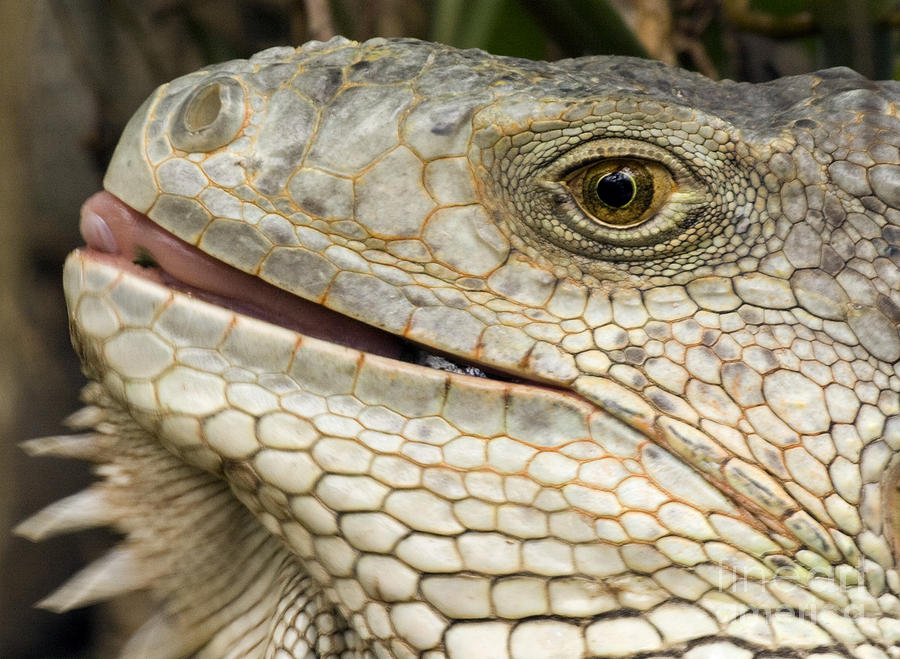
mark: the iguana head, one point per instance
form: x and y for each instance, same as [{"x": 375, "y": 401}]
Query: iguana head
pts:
[{"x": 595, "y": 355}]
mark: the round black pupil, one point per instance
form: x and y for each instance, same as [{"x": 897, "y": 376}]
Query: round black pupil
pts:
[{"x": 616, "y": 189}]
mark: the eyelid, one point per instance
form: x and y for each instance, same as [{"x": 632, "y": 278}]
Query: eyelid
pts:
[
  {"x": 569, "y": 224},
  {"x": 589, "y": 152}
]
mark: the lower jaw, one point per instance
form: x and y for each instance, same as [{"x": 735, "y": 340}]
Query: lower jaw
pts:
[
  {"x": 374, "y": 341},
  {"x": 307, "y": 318}
]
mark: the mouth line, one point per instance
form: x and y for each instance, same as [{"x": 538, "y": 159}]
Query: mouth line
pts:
[{"x": 116, "y": 233}]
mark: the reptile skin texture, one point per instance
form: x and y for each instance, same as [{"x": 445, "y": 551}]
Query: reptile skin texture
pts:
[{"x": 637, "y": 389}]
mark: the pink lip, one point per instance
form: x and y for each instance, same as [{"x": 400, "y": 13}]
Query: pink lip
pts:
[{"x": 115, "y": 231}]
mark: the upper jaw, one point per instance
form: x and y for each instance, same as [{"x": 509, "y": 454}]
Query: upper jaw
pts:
[{"x": 114, "y": 231}]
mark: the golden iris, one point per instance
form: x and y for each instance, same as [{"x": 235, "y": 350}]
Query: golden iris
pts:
[{"x": 621, "y": 192}]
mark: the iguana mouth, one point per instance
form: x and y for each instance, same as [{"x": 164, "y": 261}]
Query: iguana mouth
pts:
[{"x": 114, "y": 231}]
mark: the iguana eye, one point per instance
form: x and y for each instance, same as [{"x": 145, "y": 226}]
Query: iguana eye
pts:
[
  {"x": 621, "y": 199},
  {"x": 621, "y": 192},
  {"x": 210, "y": 117}
]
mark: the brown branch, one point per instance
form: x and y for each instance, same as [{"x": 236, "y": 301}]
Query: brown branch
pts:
[
  {"x": 743, "y": 18},
  {"x": 319, "y": 24}
]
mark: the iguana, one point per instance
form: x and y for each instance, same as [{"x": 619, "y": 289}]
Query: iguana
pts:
[{"x": 403, "y": 350}]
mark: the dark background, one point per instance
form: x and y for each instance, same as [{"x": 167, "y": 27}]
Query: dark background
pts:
[{"x": 72, "y": 72}]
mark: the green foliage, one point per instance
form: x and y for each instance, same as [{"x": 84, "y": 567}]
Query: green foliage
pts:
[
  {"x": 498, "y": 26},
  {"x": 535, "y": 29}
]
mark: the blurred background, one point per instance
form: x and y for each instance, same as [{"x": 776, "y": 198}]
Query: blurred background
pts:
[{"x": 72, "y": 72}]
